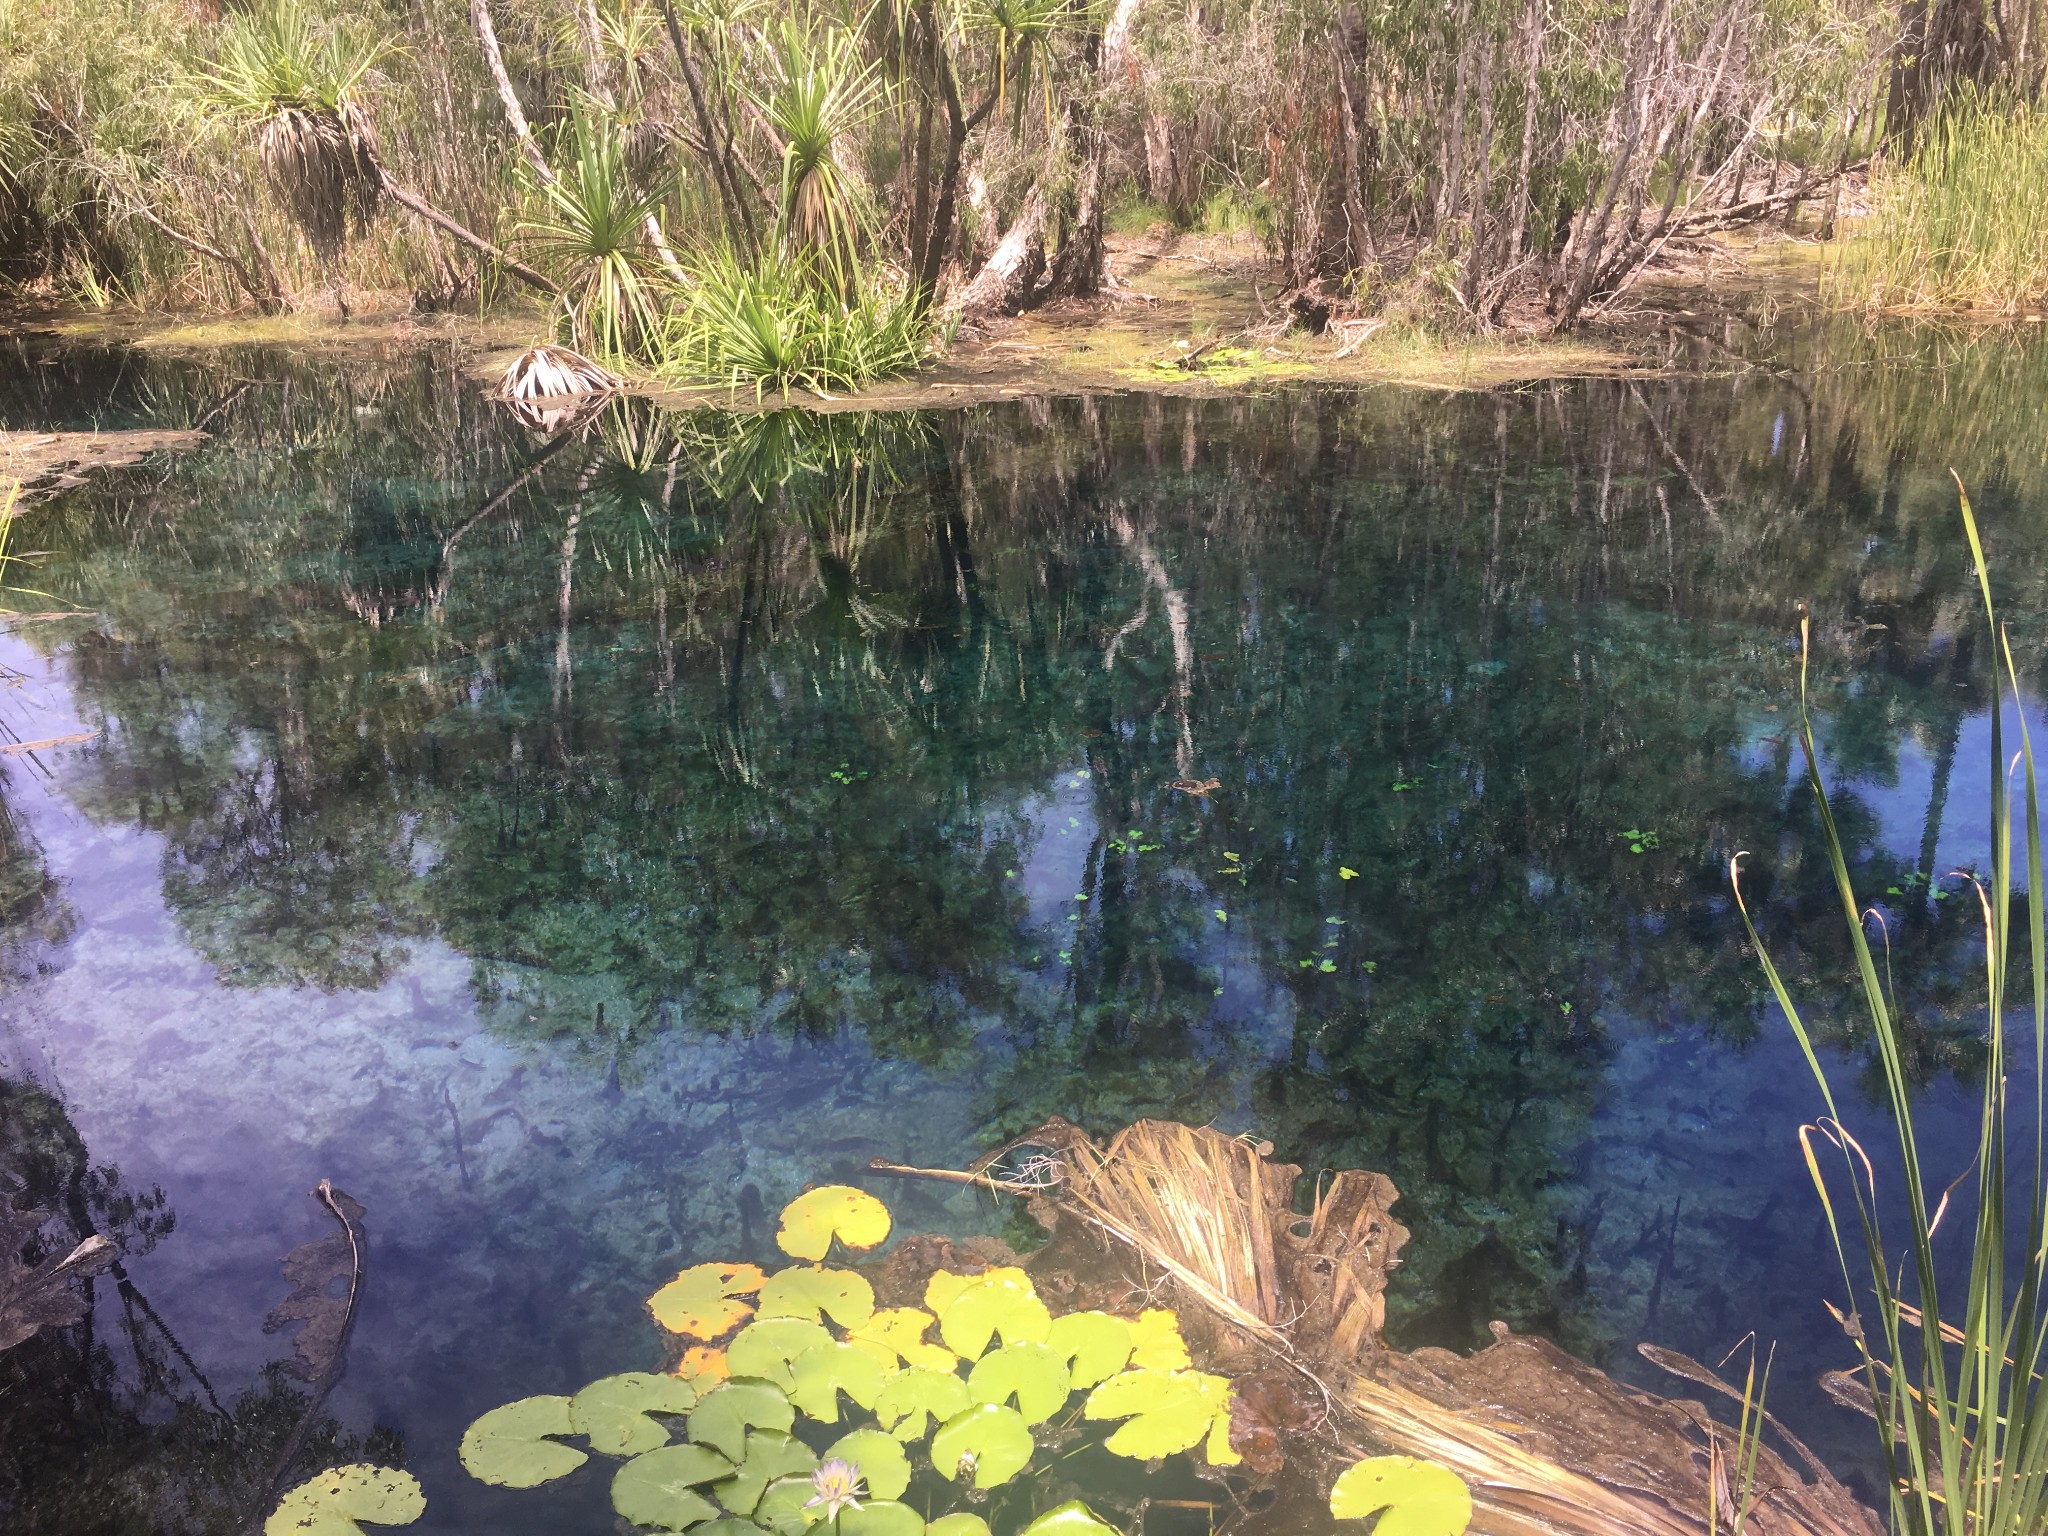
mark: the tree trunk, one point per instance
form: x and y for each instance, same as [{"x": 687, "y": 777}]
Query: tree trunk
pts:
[
  {"x": 494, "y": 61},
  {"x": 419, "y": 207},
  {"x": 1009, "y": 281}
]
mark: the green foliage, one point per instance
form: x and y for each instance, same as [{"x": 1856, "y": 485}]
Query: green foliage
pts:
[
  {"x": 332, "y": 1503},
  {"x": 590, "y": 228},
  {"x": 1410, "y": 1496},
  {"x": 773, "y": 327},
  {"x": 1949, "y": 230},
  {"x": 615, "y": 1414},
  {"x": 818, "y": 94},
  {"x": 514, "y": 1446},
  {"x": 1963, "y": 1418}
]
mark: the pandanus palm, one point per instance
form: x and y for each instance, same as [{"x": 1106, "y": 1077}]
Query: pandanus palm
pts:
[{"x": 820, "y": 92}]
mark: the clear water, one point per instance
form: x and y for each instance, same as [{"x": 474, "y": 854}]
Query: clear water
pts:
[{"x": 572, "y": 853}]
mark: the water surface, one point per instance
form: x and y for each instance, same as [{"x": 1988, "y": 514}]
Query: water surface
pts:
[{"x": 573, "y": 846}]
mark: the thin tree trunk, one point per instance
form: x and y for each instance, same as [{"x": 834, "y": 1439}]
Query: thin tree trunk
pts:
[
  {"x": 515, "y": 115},
  {"x": 1009, "y": 280},
  {"x": 419, "y": 207}
]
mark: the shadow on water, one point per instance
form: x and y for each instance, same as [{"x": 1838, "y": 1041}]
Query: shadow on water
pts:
[{"x": 574, "y": 845}]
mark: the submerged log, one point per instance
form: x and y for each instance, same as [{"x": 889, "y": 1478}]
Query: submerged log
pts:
[{"x": 1294, "y": 1304}]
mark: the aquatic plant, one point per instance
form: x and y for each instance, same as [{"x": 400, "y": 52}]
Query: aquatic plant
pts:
[
  {"x": 333, "y": 1503},
  {"x": 1962, "y": 1414},
  {"x": 752, "y": 1370}
]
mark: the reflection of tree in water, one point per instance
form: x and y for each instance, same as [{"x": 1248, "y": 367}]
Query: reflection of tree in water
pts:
[
  {"x": 744, "y": 725},
  {"x": 110, "y": 1426}
]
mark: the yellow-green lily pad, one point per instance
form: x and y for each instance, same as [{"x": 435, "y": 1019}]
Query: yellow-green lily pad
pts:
[
  {"x": 1166, "y": 1412},
  {"x": 613, "y": 1413},
  {"x": 723, "y": 1415},
  {"x": 1420, "y": 1498},
  {"x": 1072, "y": 1518},
  {"x": 996, "y": 1303},
  {"x": 911, "y": 1398},
  {"x": 332, "y": 1503},
  {"x": 1030, "y": 1373},
  {"x": 881, "y": 1517},
  {"x": 1217, "y": 1450},
  {"x": 1156, "y": 1342},
  {"x": 764, "y": 1349},
  {"x": 986, "y": 1444},
  {"x": 878, "y": 1458},
  {"x": 1094, "y": 1345},
  {"x": 509, "y": 1446},
  {"x": 898, "y": 1333},
  {"x": 769, "y": 1456},
  {"x": 815, "y": 1217},
  {"x": 730, "y": 1525},
  {"x": 945, "y": 1286},
  {"x": 821, "y": 1374},
  {"x": 659, "y": 1489},
  {"x": 785, "y": 1508},
  {"x": 961, "y": 1524},
  {"x": 700, "y": 1303},
  {"x": 804, "y": 1291}
]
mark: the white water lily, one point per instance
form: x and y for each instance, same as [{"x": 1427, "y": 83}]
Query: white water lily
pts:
[{"x": 839, "y": 1487}]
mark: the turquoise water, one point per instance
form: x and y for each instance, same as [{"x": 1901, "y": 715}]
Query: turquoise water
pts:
[{"x": 573, "y": 847}]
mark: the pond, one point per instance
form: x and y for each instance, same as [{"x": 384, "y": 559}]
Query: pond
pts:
[{"x": 573, "y": 846}]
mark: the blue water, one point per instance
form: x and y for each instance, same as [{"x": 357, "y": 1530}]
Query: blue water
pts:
[{"x": 573, "y": 850}]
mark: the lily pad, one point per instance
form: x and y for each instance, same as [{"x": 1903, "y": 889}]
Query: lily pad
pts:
[
  {"x": 898, "y": 1333},
  {"x": 821, "y": 1374},
  {"x": 880, "y": 1460},
  {"x": 1420, "y": 1498},
  {"x": 802, "y": 1291},
  {"x": 727, "y": 1525},
  {"x": 332, "y": 1503},
  {"x": 723, "y": 1415},
  {"x": 659, "y": 1489},
  {"x": 881, "y": 1517},
  {"x": 944, "y": 1287},
  {"x": 815, "y": 1217},
  {"x": 764, "y": 1349},
  {"x": 699, "y": 1303},
  {"x": 908, "y": 1400},
  {"x": 988, "y": 1444},
  {"x": 1094, "y": 1345},
  {"x": 1156, "y": 1344},
  {"x": 1166, "y": 1411},
  {"x": 769, "y": 1456},
  {"x": 1072, "y": 1518},
  {"x": 509, "y": 1446},
  {"x": 996, "y": 1303},
  {"x": 1217, "y": 1450},
  {"x": 703, "y": 1366},
  {"x": 785, "y": 1508},
  {"x": 1031, "y": 1373},
  {"x": 961, "y": 1524},
  {"x": 613, "y": 1413}
]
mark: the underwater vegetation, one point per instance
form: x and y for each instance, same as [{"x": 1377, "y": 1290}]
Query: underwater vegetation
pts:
[{"x": 1005, "y": 1385}]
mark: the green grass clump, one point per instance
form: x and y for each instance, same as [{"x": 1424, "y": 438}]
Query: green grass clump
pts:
[
  {"x": 1962, "y": 1414},
  {"x": 1960, "y": 224},
  {"x": 775, "y": 326}
]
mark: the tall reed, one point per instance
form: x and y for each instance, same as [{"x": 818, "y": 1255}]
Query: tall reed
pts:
[
  {"x": 1962, "y": 1421},
  {"x": 1961, "y": 223}
]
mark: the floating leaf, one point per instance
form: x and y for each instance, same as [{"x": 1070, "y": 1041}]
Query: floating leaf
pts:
[
  {"x": 727, "y": 1525},
  {"x": 703, "y": 1365},
  {"x": 907, "y": 1400},
  {"x": 332, "y": 1503},
  {"x": 769, "y": 1456},
  {"x": 991, "y": 1445},
  {"x": 659, "y": 1489},
  {"x": 699, "y": 1304},
  {"x": 1156, "y": 1344},
  {"x": 1166, "y": 1411},
  {"x": 995, "y": 1303},
  {"x": 962, "y": 1524},
  {"x": 1031, "y": 1373},
  {"x": 802, "y": 1291},
  {"x": 765, "y": 1348},
  {"x": 881, "y": 1517},
  {"x": 1094, "y": 1345},
  {"x": 944, "y": 1288},
  {"x": 821, "y": 1374},
  {"x": 785, "y": 1509},
  {"x": 880, "y": 1460},
  {"x": 1420, "y": 1498},
  {"x": 1217, "y": 1450},
  {"x": 613, "y": 1413},
  {"x": 815, "y": 1217},
  {"x": 723, "y": 1415},
  {"x": 1346, "y": 872},
  {"x": 898, "y": 1333},
  {"x": 1072, "y": 1518},
  {"x": 509, "y": 1446}
]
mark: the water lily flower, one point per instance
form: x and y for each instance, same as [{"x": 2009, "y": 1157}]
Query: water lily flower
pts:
[{"x": 839, "y": 1487}]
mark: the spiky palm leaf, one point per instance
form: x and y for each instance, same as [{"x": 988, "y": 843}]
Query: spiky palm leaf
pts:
[{"x": 820, "y": 92}]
